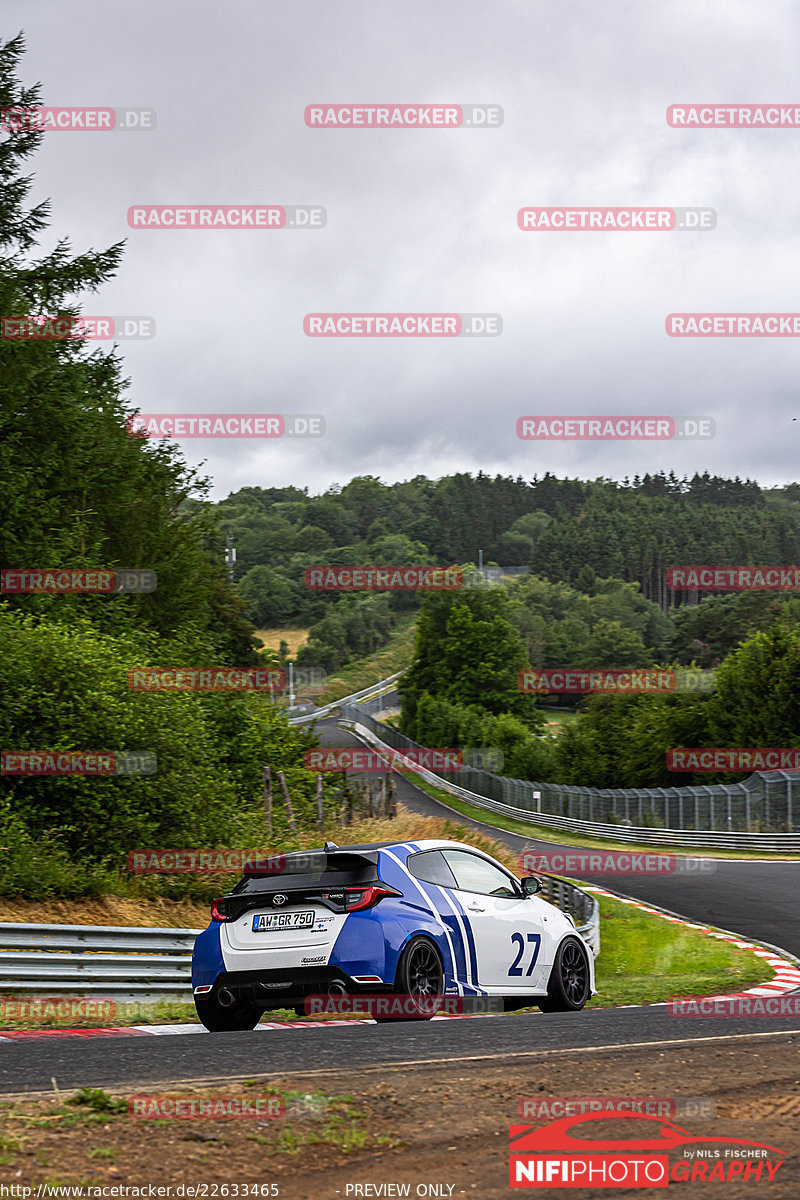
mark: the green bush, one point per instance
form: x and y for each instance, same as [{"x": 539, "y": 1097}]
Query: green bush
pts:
[{"x": 66, "y": 688}]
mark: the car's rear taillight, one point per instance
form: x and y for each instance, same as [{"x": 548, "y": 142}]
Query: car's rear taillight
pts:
[
  {"x": 357, "y": 899},
  {"x": 218, "y": 910}
]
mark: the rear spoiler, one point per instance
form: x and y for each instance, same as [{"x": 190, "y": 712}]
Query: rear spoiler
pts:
[{"x": 309, "y": 862}]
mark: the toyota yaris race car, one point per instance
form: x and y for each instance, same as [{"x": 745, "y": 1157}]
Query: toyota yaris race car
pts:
[{"x": 419, "y": 919}]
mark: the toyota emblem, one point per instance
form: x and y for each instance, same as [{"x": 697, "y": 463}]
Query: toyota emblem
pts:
[{"x": 279, "y": 899}]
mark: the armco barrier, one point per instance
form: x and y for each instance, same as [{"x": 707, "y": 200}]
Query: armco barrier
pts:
[
  {"x": 114, "y": 962},
  {"x": 537, "y": 803},
  {"x": 376, "y": 689},
  {"x": 143, "y": 964}
]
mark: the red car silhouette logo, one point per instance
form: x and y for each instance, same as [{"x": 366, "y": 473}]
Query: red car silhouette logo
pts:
[{"x": 557, "y": 1136}]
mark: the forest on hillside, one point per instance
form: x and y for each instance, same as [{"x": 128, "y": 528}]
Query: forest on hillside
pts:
[{"x": 575, "y": 537}]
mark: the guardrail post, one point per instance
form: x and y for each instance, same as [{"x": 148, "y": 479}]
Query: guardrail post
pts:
[{"x": 320, "y": 812}]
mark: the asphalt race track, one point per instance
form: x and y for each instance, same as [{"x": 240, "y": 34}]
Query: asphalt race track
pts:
[
  {"x": 755, "y": 899},
  {"x": 31, "y": 1065}
]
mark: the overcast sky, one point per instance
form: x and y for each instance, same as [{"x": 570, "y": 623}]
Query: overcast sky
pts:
[{"x": 425, "y": 221}]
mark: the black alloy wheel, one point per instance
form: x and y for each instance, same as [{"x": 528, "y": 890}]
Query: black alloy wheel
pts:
[
  {"x": 568, "y": 987},
  {"x": 419, "y": 981}
]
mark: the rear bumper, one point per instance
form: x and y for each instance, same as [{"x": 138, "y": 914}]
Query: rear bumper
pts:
[{"x": 287, "y": 988}]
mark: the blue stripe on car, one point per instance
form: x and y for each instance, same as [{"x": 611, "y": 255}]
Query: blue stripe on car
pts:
[
  {"x": 459, "y": 922},
  {"x": 470, "y": 937},
  {"x": 431, "y": 908}
]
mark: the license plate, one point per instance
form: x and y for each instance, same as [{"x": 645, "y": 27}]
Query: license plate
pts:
[{"x": 268, "y": 922}]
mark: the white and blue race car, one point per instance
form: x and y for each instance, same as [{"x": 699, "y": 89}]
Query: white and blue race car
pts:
[{"x": 423, "y": 919}]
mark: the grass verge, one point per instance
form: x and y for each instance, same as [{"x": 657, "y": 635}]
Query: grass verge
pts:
[
  {"x": 395, "y": 656},
  {"x": 90, "y": 1136},
  {"x": 644, "y": 960},
  {"x": 271, "y": 638}
]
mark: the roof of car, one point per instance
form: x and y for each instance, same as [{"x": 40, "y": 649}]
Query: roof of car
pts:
[{"x": 420, "y": 843}]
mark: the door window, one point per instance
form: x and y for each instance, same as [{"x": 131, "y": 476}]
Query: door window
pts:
[{"x": 474, "y": 874}]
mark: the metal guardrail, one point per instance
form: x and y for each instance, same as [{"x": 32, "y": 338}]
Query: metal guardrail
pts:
[
  {"x": 143, "y": 964},
  {"x": 383, "y": 685},
  {"x": 115, "y": 962},
  {"x": 757, "y": 799}
]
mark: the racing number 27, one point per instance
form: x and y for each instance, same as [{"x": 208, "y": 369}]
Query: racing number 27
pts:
[{"x": 518, "y": 939}]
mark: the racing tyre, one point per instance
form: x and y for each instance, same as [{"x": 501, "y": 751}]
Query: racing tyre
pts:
[
  {"x": 420, "y": 974},
  {"x": 217, "y": 1019},
  {"x": 568, "y": 987}
]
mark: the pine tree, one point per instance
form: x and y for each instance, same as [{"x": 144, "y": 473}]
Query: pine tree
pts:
[{"x": 77, "y": 489}]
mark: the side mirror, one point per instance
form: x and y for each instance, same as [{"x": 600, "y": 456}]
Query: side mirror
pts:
[{"x": 531, "y": 885}]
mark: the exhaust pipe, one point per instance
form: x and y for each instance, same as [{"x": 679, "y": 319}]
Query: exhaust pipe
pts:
[
  {"x": 225, "y": 997},
  {"x": 336, "y": 988}
]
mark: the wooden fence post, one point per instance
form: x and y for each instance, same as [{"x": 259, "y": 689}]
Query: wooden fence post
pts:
[
  {"x": 268, "y": 799},
  {"x": 392, "y": 798},
  {"x": 320, "y": 813},
  {"x": 287, "y": 801},
  {"x": 346, "y": 810}
]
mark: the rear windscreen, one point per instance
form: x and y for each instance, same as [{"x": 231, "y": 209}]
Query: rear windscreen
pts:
[{"x": 339, "y": 870}]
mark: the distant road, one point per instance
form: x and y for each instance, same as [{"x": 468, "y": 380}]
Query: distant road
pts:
[{"x": 756, "y": 898}]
